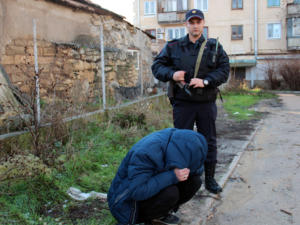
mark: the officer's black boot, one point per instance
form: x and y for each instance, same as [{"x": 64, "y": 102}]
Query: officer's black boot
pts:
[{"x": 210, "y": 183}]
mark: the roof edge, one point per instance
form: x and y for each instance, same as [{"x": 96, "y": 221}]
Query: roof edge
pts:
[{"x": 88, "y": 6}]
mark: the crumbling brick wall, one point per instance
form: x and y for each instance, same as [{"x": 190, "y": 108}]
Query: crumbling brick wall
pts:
[{"x": 64, "y": 65}]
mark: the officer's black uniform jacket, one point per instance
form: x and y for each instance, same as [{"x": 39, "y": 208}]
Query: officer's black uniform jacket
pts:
[{"x": 181, "y": 54}]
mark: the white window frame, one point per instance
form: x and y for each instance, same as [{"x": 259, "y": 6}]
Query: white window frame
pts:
[
  {"x": 196, "y": 6},
  {"x": 150, "y": 13},
  {"x": 173, "y": 31},
  {"x": 274, "y": 38}
]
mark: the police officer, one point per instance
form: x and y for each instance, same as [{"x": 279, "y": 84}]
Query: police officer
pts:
[{"x": 192, "y": 95}]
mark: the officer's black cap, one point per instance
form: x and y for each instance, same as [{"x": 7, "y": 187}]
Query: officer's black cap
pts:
[{"x": 194, "y": 13}]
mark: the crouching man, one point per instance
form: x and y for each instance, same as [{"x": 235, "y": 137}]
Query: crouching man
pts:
[{"x": 160, "y": 172}]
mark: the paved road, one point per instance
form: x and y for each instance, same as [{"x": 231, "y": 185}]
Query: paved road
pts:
[{"x": 265, "y": 187}]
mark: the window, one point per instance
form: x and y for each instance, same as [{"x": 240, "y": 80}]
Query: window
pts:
[
  {"x": 182, "y": 5},
  {"x": 237, "y": 32},
  {"x": 205, "y": 32},
  {"x": 296, "y": 27},
  {"x": 159, "y": 33},
  {"x": 272, "y": 3},
  {"x": 274, "y": 31},
  {"x": 293, "y": 27},
  {"x": 237, "y": 4},
  {"x": 296, "y": 1},
  {"x": 201, "y": 4},
  {"x": 174, "y": 5},
  {"x": 171, "y": 5},
  {"x": 174, "y": 33},
  {"x": 149, "y": 8},
  {"x": 151, "y": 31}
]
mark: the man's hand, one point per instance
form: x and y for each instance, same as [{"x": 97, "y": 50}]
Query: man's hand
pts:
[
  {"x": 178, "y": 76},
  {"x": 197, "y": 82},
  {"x": 182, "y": 174}
]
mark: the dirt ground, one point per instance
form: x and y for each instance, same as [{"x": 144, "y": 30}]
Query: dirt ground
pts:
[{"x": 263, "y": 188}]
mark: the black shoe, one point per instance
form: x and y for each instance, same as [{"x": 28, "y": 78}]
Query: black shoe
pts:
[
  {"x": 212, "y": 186},
  {"x": 210, "y": 183},
  {"x": 169, "y": 219}
]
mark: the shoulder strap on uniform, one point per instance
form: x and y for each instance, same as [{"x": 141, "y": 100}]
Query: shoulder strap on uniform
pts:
[
  {"x": 200, "y": 54},
  {"x": 217, "y": 45}
]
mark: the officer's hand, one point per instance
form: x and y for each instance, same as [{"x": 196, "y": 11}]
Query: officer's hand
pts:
[
  {"x": 197, "y": 82},
  {"x": 182, "y": 174},
  {"x": 178, "y": 76}
]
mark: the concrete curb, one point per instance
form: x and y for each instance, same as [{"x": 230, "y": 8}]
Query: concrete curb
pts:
[{"x": 209, "y": 202}]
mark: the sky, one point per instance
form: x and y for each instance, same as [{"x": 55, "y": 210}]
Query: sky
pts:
[{"x": 121, "y": 7}]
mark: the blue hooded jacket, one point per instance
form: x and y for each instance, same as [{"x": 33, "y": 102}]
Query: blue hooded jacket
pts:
[{"x": 148, "y": 168}]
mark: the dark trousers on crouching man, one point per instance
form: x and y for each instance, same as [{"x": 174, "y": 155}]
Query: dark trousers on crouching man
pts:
[{"x": 169, "y": 199}]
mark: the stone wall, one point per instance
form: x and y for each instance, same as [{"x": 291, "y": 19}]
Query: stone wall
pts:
[{"x": 65, "y": 66}]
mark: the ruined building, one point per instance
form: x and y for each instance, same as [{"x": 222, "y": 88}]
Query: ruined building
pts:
[{"x": 69, "y": 53}]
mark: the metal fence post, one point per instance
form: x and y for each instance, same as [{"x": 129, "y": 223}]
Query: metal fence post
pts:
[
  {"x": 36, "y": 77},
  {"x": 102, "y": 67},
  {"x": 141, "y": 65}
]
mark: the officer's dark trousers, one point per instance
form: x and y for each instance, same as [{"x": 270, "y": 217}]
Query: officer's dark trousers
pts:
[
  {"x": 185, "y": 114},
  {"x": 168, "y": 199}
]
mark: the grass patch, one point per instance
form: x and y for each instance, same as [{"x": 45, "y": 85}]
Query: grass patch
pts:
[
  {"x": 88, "y": 161},
  {"x": 238, "y": 104},
  {"x": 21, "y": 201}
]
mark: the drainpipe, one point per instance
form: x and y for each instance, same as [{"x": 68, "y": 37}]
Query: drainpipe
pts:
[{"x": 255, "y": 39}]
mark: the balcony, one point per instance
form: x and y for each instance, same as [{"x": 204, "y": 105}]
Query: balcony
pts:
[
  {"x": 293, "y": 10},
  {"x": 293, "y": 26},
  {"x": 171, "y": 17},
  {"x": 171, "y": 11},
  {"x": 293, "y": 43}
]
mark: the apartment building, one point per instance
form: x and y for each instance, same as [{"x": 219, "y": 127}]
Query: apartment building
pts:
[{"x": 255, "y": 33}]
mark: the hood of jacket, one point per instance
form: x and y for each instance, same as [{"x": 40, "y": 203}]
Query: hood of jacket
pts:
[{"x": 184, "y": 150}]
